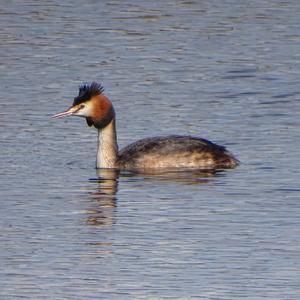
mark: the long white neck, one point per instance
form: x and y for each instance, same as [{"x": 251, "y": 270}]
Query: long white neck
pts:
[{"x": 107, "y": 146}]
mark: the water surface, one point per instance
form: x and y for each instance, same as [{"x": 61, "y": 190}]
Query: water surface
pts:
[{"x": 223, "y": 70}]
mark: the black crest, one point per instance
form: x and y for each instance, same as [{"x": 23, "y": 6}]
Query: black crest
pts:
[{"x": 87, "y": 91}]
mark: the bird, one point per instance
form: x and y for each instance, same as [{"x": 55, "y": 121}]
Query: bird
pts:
[{"x": 156, "y": 153}]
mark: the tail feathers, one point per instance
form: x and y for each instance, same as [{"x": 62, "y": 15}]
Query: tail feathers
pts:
[
  {"x": 232, "y": 161},
  {"x": 227, "y": 160}
]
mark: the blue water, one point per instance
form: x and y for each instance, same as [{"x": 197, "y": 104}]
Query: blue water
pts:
[{"x": 223, "y": 70}]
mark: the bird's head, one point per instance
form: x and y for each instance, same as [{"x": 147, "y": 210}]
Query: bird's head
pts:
[{"x": 91, "y": 104}]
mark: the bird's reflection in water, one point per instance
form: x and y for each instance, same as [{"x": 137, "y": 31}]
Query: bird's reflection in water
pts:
[
  {"x": 183, "y": 176},
  {"x": 104, "y": 198}
]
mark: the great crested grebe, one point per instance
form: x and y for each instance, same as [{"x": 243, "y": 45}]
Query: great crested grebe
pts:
[{"x": 167, "y": 152}]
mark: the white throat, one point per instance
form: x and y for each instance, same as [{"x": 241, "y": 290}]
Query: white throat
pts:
[{"x": 107, "y": 146}]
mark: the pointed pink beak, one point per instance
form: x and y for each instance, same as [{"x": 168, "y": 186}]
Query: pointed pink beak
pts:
[{"x": 68, "y": 112}]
